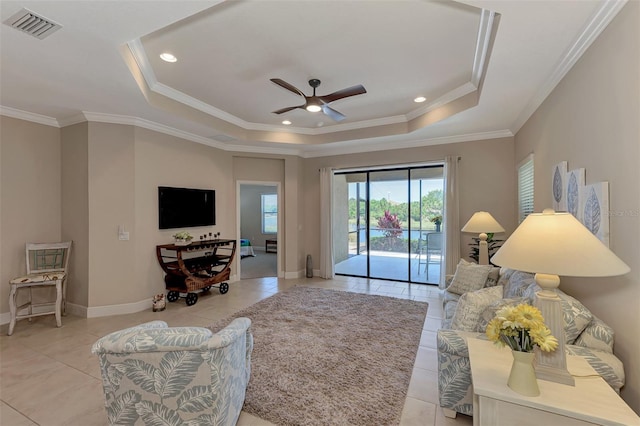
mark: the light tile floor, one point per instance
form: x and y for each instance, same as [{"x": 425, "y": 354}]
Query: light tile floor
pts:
[{"x": 48, "y": 375}]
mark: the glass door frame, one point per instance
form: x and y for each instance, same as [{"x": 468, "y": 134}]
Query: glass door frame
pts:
[{"x": 368, "y": 225}]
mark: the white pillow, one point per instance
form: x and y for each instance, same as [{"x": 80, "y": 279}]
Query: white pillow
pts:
[
  {"x": 469, "y": 277},
  {"x": 471, "y": 305}
]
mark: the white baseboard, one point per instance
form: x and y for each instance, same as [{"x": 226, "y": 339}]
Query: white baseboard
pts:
[
  {"x": 98, "y": 311},
  {"x": 300, "y": 274},
  {"x": 289, "y": 275},
  {"x": 125, "y": 308},
  {"x": 77, "y": 310}
]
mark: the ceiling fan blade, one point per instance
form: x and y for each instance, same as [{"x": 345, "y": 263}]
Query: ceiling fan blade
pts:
[
  {"x": 335, "y": 115},
  {"x": 287, "y": 86},
  {"x": 287, "y": 109},
  {"x": 344, "y": 93}
]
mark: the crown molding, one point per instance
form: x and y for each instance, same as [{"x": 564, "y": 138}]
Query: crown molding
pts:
[
  {"x": 253, "y": 149},
  {"x": 151, "y": 125},
  {"x": 183, "y": 98},
  {"x": 357, "y": 147},
  {"x": 592, "y": 30},
  {"x": 74, "y": 119},
  {"x": 306, "y": 151},
  {"x": 448, "y": 97},
  {"x": 28, "y": 116},
  {"x": 483, "y": 45},
  {"x": 142, "y": 60}
]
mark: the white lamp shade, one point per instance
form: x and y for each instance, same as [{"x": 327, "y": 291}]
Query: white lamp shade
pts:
[
  {"x": 482, "y": 222},
  {"x": 558, "y": 244}
]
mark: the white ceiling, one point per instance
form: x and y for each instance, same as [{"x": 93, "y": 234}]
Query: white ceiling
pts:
[{"x": 484, "y": 67}]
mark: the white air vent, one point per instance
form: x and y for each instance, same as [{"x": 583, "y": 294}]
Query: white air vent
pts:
[{"x": 32, "y": 24}]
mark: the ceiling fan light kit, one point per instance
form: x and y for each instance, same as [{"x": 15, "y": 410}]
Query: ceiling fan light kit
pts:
[{"x": 316, "y": 103}]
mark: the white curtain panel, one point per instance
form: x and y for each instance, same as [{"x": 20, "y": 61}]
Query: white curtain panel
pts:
[
  {"x": 452, "y": 218},
  {"x": 326, "y": 223}
]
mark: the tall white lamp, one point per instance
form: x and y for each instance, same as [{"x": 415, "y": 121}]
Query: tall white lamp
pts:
[
  {"x": 482, "y": 223},
  {"x": 550, "y": 244}
]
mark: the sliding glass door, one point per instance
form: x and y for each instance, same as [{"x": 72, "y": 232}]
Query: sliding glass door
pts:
[
  {"x": 350, "y": 239},
  {"x": 387, "y": 223},
  {"x": 388, "y": 229},
  {"x": 427, "y": 211}
]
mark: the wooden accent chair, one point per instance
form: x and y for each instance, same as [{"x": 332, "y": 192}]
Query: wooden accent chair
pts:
[{"x": 47, "y": 265}]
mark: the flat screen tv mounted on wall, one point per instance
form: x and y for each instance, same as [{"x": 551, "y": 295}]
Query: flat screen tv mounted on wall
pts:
[{"x": 186, "y": 207}]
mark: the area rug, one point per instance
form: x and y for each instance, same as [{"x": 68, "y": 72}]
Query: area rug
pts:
[{"x": 331, "y": 357}]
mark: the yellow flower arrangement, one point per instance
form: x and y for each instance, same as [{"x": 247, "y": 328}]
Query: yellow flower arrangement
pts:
[{"x": 521, "y": 327}]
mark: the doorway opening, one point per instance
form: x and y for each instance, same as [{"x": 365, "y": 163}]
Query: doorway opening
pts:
[
  {"x": 388, "y": 223},
  {"x": 259, "y": 227}
]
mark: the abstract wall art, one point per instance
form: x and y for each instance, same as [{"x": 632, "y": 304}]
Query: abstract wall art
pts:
[
  {"x": 575, "y": 183},
  {"x": 559, "y": 187},
  {"x": 594, "y": 206}
]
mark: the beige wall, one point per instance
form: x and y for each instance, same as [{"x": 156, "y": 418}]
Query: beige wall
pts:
[
  {"x": 163, "y": 160},
  {"x": 288, "y": 171},
  {"x": 295, "y": 220},
  {"x": 485, "y": 175},
  {"x": 75, "y": 209},
  {"x": 111, "y": 203},
  {"x": 591, "y": 120},
  {"x": 258, "y": 169},
  {"x": 30, "y": 185}
]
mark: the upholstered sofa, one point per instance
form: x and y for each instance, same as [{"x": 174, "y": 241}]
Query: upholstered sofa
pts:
[
  {"x": 468, "y": 306},
  {"x": 154, "y": 374}
]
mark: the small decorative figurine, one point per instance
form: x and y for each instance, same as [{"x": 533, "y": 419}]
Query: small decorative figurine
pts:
[{"x": 159, "y": 302}]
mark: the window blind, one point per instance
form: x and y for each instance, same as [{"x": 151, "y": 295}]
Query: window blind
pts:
[{"x": 525, "y": 188}]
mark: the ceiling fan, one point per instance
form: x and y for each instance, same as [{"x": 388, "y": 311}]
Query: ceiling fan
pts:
[{"x": 315, "y": 103}]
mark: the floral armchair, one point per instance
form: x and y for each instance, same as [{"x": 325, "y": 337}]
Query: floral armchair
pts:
[{"x": 155, "y": 374}]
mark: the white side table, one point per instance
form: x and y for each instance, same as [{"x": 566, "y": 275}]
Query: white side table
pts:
[{"x": 590, "y": 401}]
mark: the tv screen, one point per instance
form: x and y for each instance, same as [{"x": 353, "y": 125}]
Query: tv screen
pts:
[{"x": 186, "y": 207}]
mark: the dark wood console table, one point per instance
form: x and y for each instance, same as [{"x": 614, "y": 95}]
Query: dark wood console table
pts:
[{"x": 196, "y": 267}]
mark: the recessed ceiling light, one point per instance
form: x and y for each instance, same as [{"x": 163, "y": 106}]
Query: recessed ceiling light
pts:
[
  {"x": 420, "y": 99},
  {"x": 286, "y": 122},
  {"x": 168, "y": 57}
]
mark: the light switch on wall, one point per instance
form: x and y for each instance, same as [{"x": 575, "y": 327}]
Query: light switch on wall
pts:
[{"x": 122, "y": 234}]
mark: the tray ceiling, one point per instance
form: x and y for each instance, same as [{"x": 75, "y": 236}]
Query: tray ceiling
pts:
[{"x": 483, "y": 67}]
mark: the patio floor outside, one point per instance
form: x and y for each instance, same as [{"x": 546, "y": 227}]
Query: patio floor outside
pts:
[{"x": 393, "y": 266}]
